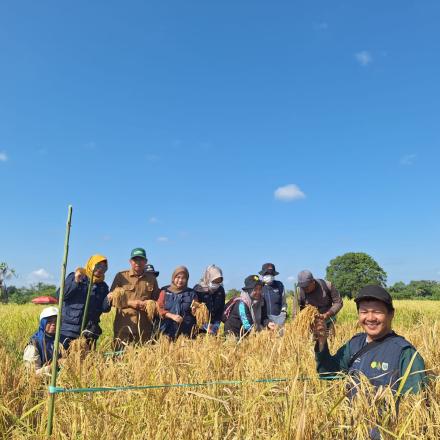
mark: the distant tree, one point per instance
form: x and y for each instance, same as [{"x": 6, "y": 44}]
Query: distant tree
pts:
[
  {"x": 6, "y": 272},
  {"x": 354, "y": 270},
  {"x": 231, "y": 293}
]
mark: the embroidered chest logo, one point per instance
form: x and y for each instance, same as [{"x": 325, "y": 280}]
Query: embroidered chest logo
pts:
[{"x": 379, "y": 365}]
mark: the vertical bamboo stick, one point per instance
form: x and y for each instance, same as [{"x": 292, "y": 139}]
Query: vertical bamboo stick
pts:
[
  {"x": 53, "y": 381},
  {"x": 86, "y": 306}
]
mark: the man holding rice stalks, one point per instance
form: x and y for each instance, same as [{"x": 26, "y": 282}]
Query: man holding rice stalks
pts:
[
  {"x": 320, "y": 294},
  {"x": 378, "y": 353},
  {"x": 133, "y": 292}
]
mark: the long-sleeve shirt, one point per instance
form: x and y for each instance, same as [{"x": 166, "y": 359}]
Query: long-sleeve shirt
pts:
[
  {"x": 32, "y": 359},
  {"x": 327, "y": 363},
  {"x": 325, "y": 298}
]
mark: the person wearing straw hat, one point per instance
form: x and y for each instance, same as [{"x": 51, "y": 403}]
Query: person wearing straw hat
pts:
[
  {"x": 211, "y": 292},
  {"x": 75, "y": 295},
  {"x": 131, "y": 322},
  {"x": 274, "y": 295},
  {"x": 378, "y": 352},
  {"x": 39, "y": 351},
  {"x": 175, "y": 305},
  {"x": 247, "y": 312}
]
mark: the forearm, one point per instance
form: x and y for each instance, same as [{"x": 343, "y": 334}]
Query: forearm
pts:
[{"x": 326, "y": 363}]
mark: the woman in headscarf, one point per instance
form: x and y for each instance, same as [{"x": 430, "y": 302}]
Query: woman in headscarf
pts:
[
  {"x": 247, "y": 312},
  {"x": 175, "y": 305},
  {"x": 75, "y": 294},
  {"x": 211, "y": 292},
  {"x": 38, "y": 353}
]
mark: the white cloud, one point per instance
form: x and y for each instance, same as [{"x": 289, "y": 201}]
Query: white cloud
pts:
[
  {"x": 162, "y": 239},
  {"x": 408, "y": 159},
  {"x": 39, "y": 275},
  {"x": 153, "y": 220},
  {"x": 288, "y": 193},
  {"x": 363, "y": 58},
  {"x": 3, "y": 156}
]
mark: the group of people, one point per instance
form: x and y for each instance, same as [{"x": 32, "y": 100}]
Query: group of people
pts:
[{"x": 377, "y": 352}]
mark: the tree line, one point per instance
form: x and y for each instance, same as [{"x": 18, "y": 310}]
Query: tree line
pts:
[{"x": 348, "y": 272}]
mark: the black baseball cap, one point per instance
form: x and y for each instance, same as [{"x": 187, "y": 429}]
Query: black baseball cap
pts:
[
  {"x": 251, "y": 282},
  {"x": 375, "y": 292}
]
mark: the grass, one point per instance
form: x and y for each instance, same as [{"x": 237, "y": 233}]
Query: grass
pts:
[{"x": 299, "y": 409}]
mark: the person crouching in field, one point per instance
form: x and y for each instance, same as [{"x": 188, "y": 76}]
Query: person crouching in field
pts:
[
  {"x": 247, "y": 312},
  {"x": 378, "y": 353},
  {"x": 175, "y": 305},
  {"x": 319, "y": 293},
  {"x": 38, "y": 353},
  {"x": 137, "y": 287},
  {"x": 75, "y": 295},
  {"x": 210, "y": 291}
]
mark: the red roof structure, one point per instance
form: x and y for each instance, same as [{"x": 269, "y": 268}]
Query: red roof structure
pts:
[{"x": 45, "y": 300}]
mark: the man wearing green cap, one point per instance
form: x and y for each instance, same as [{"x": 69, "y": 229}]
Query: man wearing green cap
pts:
[{"x": 131, "y": 322}]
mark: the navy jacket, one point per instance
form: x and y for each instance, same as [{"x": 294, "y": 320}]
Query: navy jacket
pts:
[
  {"x": 215, "y": 302},
  {"x": 179, "y": 304},
  {"x": 75, "y": 295},
  {"x": 273, "y": 295}
]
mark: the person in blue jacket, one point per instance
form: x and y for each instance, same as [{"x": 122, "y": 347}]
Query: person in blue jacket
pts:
[
  {"x": 75, "y": 294},
  {"x": 176, "y": 307},
  {"x": 210, "y": 291},
  {"x": 274, "y": 295},
  {"x": 247, "y": 312}
]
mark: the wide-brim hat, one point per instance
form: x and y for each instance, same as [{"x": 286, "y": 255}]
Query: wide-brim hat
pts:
[
  {"x": 268, "y": 269},
  {"x": 149, "y": 268}
]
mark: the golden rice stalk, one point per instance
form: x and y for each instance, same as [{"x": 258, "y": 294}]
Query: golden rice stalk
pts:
[
  {"x": 305, "y": 319},
  {"x": 119, "y": 298},
  {"x": 201, "y": 313},
  {"x": 151, "y": 309}
]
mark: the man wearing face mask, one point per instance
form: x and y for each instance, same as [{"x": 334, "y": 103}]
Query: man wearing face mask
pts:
[
  {"x": 246, "y": 312},
  {"x": 211, "y": 292},
  {"x": 273, "y": 295}
]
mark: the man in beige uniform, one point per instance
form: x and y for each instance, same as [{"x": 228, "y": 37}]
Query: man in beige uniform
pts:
[{"x": 131, "y": 322}]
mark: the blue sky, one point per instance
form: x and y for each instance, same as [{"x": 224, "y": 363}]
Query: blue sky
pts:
[{"x": 171, "y": 125}]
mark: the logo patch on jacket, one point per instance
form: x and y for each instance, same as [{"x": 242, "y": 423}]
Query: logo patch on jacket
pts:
[{"x": 379, "y": 365}]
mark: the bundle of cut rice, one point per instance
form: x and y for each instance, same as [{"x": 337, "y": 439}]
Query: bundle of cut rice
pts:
[
  {"x": 151, "y": 309},
  {"x": 119, "y": 298},
  {"x": 305, "y": 320},
  {"x": 201, "y": 313}
]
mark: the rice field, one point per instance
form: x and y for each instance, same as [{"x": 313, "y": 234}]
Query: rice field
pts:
[{"x": 301, "y": 408}]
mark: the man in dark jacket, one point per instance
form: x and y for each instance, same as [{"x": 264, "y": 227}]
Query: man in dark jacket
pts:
[
  {"x": 378, "y": 353},
  {"x": 274, "y": 295},
  {"x": 319, "y": 293},
  {"x": 247, "y": 311}
]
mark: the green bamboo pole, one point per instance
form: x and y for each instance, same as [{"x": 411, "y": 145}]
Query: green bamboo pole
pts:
[
  {"x": 86, "y": 306},
  {"x": 53, "y": 380}
]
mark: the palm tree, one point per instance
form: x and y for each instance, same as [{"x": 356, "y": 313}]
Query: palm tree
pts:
[{"x": 6, "y": 272}]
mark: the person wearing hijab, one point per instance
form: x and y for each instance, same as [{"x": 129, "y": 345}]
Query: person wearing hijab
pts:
[
  {"x": 175, "y": 305},
  {"x": 247, "y": 311},
  {"x": 211, "y": 292},
  {"x": 39, "y": 351},
  {"x": 75, "y": 294}
]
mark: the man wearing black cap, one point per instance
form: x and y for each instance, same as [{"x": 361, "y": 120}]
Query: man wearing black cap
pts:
[
  {"x": 247, "y": 312},
  {"x": 379, "y": 353},
  {"x": 273, "y": 295},
  {"x": 319, "y": 293}
]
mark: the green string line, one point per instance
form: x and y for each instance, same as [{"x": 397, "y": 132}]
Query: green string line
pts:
[{"x": 56, "y": 390}]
